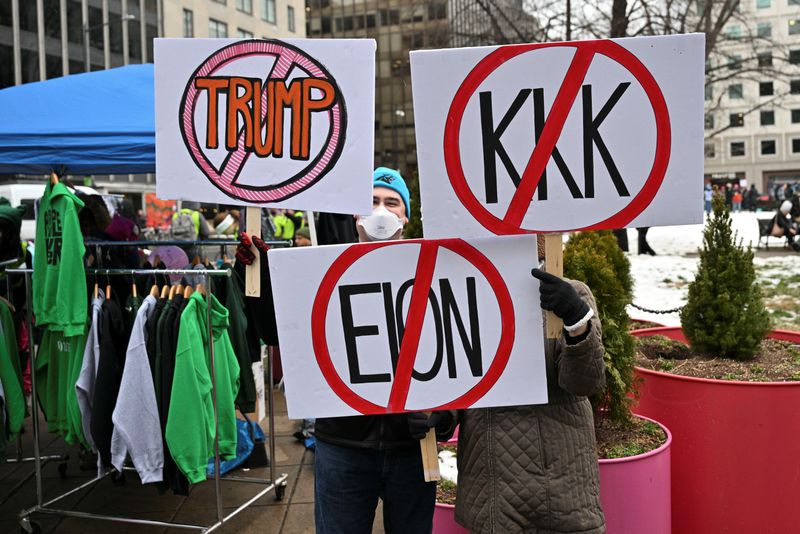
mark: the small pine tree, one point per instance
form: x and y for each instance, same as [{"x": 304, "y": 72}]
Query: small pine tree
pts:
[
  {"x": 413, "y": 229},
  {"x": 724, "y": 314},
  {"x": 596, "y": 259}
]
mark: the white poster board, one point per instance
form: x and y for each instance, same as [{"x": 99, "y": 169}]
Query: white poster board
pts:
[
  {"x": 342, "y": 309},
  {"x": 616, "y": 124},
  {"x": 298, "y": 132}
]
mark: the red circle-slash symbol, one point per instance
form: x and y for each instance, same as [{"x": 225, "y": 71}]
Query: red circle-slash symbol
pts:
[
  {"x": 413, "y": 324},
  {"x": 584, "y": 53}
]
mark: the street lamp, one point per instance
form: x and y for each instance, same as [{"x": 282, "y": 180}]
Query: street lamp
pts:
[{"x": 87, "y": 29}]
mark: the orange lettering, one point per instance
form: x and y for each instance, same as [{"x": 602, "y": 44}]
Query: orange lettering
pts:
[
  {"x": 213, "y": 86},
  {"x": 310, "y": 105},
  {"x": 238, "y": 104}
]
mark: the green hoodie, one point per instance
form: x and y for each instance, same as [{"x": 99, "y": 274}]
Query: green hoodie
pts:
[
  {"x": 10, "y": 373},
  {"x": 190, "y": 422},
  {"x": 60, "y": 301}
]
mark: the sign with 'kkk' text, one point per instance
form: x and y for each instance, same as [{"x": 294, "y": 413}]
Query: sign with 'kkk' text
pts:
[
  {"x": 553, "y": 137},
  {"x": 266, "y": 122},
  {"x": 397, "y": 326}
]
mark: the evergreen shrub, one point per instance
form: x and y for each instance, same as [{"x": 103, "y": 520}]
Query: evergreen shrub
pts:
[
  {"x": 724, "y": 314},
  {"x": 596, "y": 259}
]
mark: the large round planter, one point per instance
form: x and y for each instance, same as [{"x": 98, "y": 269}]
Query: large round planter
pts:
[
  {"x": 735, "y": 451},
  {"x": 635, "y": 491}
]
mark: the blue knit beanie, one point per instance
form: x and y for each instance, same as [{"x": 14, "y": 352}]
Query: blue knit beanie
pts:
[{"x": 391, "y": 179}]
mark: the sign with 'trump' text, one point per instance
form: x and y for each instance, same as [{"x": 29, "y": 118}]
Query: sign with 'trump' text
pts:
[
  {"x": 412, "y": 325},
  {"x": 266, "y": 122},
  {"x": 553, "y": 137}
]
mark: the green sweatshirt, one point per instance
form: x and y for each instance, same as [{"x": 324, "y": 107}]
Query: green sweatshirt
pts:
[
  {"x": 10, "y": 373},
  {"x": 58, "y": 365},
  {"x": 190, "y": 422},
  {"x": 59, "y": 289}
]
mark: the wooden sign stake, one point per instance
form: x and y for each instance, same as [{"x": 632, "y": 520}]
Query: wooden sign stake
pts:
[
  {"x": 252, "y": 273},
  {"x": 553, "y": 264},
  {"x": 430, "y": 456},
  {"x": 312, "y": 228}
]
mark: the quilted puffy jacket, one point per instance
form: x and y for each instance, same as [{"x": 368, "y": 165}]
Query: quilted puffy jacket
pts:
[{"x": 533, "y": 469}]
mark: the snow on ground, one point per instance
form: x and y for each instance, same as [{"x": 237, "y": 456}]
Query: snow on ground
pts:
[{"x": 660, "y": 282}]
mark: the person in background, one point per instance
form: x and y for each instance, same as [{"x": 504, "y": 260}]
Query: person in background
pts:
[
  {"x": 365, "y": 458},
  {"x": 784, "y": 226},
  {"x": 708, "y": 194},
  {"x": 302, "y": 238},
  {"x": 284, "y": 225},
  {"x": 534, "y": 468},
  {"x": 188, "y": 224},
  {"x": 644, "y": 246},
  {"x": 737, "y": 199},
  {"x": 752, "y": 198}
]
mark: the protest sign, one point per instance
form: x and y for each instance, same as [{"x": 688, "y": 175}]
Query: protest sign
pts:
[
  {"x": 359, "y": 336},
  {"x": 554, "y": 137},
  {"x": 265, "y": 122}
]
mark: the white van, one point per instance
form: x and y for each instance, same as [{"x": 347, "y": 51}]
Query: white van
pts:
[{"x": 26, "y": 195}]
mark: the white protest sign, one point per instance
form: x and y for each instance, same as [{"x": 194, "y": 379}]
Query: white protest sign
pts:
[
  {"x": 359, "y": 336},
  {"x": 264, "y": 122},
  {"x": 554, "y": 137}
]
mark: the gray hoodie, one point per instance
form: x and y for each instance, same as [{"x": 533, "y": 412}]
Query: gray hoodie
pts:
[
  {"x": 84, "y": 387},
  {"x": 137, "y": 428}
]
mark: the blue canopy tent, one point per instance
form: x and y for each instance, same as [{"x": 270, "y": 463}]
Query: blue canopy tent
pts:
[{"x": 92, "y": 123}]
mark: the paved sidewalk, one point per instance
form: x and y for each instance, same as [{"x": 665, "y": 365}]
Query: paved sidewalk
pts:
[{"x": 293, "y": 515}]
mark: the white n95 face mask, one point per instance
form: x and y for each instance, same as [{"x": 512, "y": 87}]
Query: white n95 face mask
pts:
[{"x": 381, "y": 225}]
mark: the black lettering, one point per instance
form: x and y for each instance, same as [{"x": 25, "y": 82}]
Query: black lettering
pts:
[
  {"x": 471, "y": 342},
  {"x": 437, "y": 319},
  {"x": 492, "y": 146},
  {"x": 591, "y": 137},
  {"x": 351, "y": 332},
  {"x": 538, "y": 123}
]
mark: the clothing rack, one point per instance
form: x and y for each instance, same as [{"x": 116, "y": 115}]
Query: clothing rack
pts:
[
  {"x": 20, "y": 459},
  {"x": 271, "y": 484},
  {"x": 201, "y": 243}
]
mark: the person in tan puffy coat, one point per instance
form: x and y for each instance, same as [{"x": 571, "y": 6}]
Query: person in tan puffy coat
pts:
[{"x": 533, "y": 469}]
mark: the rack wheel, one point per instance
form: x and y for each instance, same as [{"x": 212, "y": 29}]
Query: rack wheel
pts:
[
  {"x": 62, "y": 470},
  {"x": 30, "y": 527},
  {"x": 118, "y": 478},
  {"x": 279, "y": 492}
]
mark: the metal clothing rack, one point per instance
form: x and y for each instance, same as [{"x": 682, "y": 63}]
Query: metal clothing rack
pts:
[
  {"x": 20, "y": 459},
  {"x": 277, "y": 484}
]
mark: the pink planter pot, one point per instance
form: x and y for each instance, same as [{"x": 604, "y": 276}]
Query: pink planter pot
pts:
[
  {"x": 444, "y": 520},
  {"x": 635, "y": 491},
  {"x": 735, "y": 451}
]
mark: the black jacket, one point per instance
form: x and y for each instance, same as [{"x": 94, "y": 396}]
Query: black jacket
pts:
[{"x": 372, "y": 431}]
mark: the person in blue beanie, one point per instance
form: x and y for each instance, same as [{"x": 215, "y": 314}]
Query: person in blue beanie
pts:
[{"x": 364, "y": 458}]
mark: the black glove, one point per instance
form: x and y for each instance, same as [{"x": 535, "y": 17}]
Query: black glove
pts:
[
  {"x": 560, "y": 297},
  {"x": 419, "y": 423}
]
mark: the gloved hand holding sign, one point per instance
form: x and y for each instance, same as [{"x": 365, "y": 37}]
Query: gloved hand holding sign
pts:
[{"x": 558, "y": 295}]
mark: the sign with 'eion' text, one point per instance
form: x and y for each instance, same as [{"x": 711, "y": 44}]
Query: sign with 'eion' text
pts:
[
  {"x": 266, "y": 122},
  {"x": 552, "y": 137},
  {"x": 397, "y": 326}
]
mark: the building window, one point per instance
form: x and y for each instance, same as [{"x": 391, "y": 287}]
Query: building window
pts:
[
  {"x": 794, "y": 27},
  {"x": 766, "y": 89},
  {"x": 763, "y": 4},
  {"x": 794, "y": 87},
  {"x": 245, "y": 6},
  {"x": 735, "y": 91},
  {"x": 794, "y": 57},
  {"x": 734, "y": 31},
  {"x": 794, "y": 2},
  {"x": 709, "y": 92},
  {"x": 734, "y": 62},
  {"x": 768, "y": 147},
  {"x": 268, "y": 11},
  {"x": 764, "y": 29},
  {"x": 244, "y": 34},
  {"x": 765, "y": 59},
  {"x": 709, "y": 150},
  {"x": 767, "y": 118},
  {"x": 217, "y": 28},
  {"x": 709, "y": 121},
  {"x": 795, "y": 116},
  {"x": 188, "y": 23},
  {"x": 223, "y": 2},
  {"x": 736, "y": 119},
  {"x": 290, "y": 18},
  {"x": 796, "y": 146},
  {"x": 737, "y": 149}
]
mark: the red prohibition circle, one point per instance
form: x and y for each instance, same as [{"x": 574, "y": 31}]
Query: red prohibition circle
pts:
[
  {"x": 319, "y": 314},
  {"x": 615, "y": 52}
]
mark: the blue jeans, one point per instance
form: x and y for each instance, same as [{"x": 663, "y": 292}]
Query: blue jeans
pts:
[{"x": 349, "y": 481}]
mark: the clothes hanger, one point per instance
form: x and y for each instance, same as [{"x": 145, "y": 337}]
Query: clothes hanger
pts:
[
  {"x": 195, "y": 260},
  {"x": 187, "y": 292},
  {"x": 53, "y": 178},
  {"x": 164, "y": 292},
  {"x": 200, "y": 288},
  {"x": 154, "y": 291},
  {"x": 96, "y": 288},
  {"x": 179, "y": 289},
  {"x": 171, "y": 292},
  {"x": 108, "y": 288},
  {"x": 8, "y": 303},
  {"x": 133, "y": 287}
]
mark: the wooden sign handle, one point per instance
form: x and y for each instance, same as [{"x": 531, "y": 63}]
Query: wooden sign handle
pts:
[
  {"x": 430, "y": 456},
  {"x": 252, "y": 273},
  {"x": 553, "y": 264}
]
